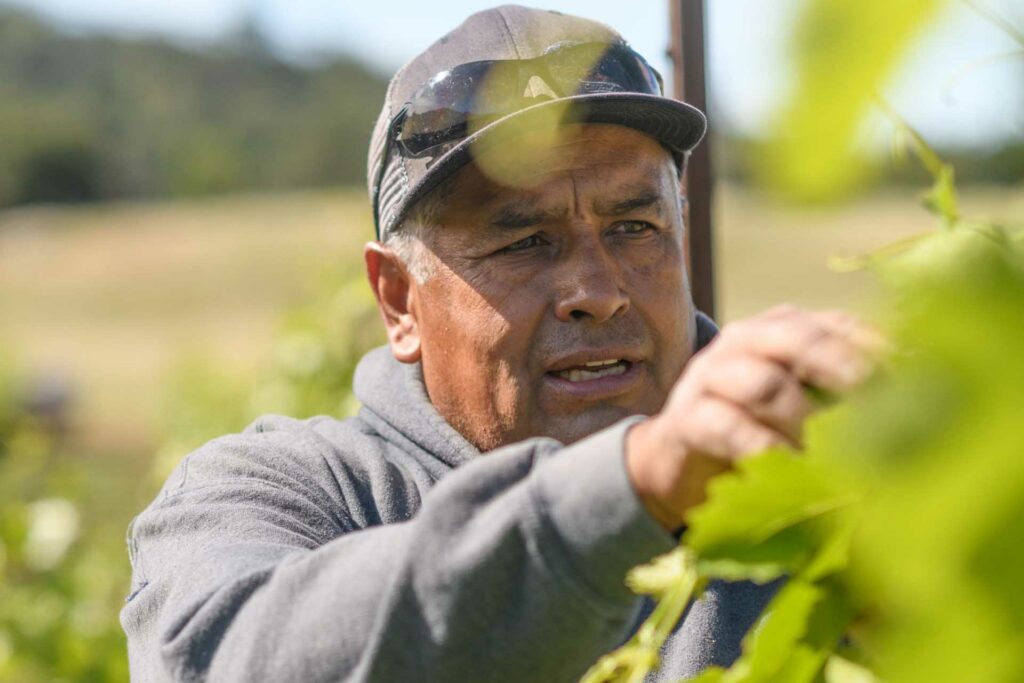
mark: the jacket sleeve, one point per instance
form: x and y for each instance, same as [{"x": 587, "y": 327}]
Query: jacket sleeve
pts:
[{"x": 511, "y": 570}]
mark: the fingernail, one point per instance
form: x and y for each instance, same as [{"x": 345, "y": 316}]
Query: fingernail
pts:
[{"x": 853, "y": 372}]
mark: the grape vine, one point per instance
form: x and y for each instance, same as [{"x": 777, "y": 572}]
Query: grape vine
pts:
[{"x": 897, "y": 530}]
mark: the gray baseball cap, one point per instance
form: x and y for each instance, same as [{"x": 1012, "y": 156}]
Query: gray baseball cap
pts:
[{"x": 510, "y": 32}]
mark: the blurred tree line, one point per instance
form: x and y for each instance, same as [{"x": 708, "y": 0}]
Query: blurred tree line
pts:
[
  {"x": 92, "y": 117},
  {"x": 85, "y": 118},
  {"x": 1002, "y": 164}
]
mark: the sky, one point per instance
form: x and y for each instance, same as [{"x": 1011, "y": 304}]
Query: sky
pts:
[{"x": 950, "y": 87}]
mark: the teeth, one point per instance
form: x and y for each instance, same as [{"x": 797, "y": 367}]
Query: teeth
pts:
[
  {"x": 577, "y": 375},
  {"x": 599, "y": 363}
]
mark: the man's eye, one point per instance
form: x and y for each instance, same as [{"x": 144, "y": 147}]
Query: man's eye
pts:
[
  {"x": 633, "y": 227},
  {"x": 525, "y": 243}
]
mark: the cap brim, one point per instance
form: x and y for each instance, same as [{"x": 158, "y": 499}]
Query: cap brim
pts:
[{"x": 677, "y": 125}]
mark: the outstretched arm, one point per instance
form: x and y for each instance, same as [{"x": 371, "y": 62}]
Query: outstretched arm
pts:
[{"x": 512, "y": 570}]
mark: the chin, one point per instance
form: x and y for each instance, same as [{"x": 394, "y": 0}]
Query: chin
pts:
[{"x": 572, "y": 428}]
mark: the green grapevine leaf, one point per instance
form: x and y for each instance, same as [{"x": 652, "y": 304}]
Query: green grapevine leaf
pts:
[
  {"x": 661, "y": 575},
  {"x": 772, "y": 642},
  {"x": 900, "y": 525},
  {"x": 833, "y": 555},
  {"x": 811, "y": 155},
  {"x": 712, "y": 674},
  {"x": 795, "y": 636},
  {"x": 793, "y": 640},
  {"x": 942, "y": 199},
  {"x": 938, "y": 558},
  {"x": 673, "y": 578},
  {"x": 840, "y": 670},
  {"x": 772, "y": 516}
]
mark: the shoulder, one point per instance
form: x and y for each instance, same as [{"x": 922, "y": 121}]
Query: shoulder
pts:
[
  {"x": 343, "y": 467},
  {"x": 274, "y": 449}
]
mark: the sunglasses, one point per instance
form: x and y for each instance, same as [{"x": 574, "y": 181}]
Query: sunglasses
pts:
[{"x": 474, "y": 94}]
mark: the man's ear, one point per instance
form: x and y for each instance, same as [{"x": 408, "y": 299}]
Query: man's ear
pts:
[{"x": 395, "y": 290}]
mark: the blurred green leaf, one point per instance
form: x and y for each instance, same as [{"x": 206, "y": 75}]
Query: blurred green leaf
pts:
[
  {"x": 62, "y": 565},
  {"x": 795, "y": 636},
  {"x": 772, "y": 516},
  {"x": 840, "y": 670},
  {"x": 841, "y": 53}
]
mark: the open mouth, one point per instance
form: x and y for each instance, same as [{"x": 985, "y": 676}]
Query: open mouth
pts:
[{"x": 594, "y": 370}]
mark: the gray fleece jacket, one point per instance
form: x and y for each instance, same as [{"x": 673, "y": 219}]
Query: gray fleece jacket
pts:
[{"x": 385, "y": 548}]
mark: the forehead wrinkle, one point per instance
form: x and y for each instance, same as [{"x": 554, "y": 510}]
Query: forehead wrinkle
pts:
[
  {"x": 633, "y": 199},
  {"x": 521, "y": 212},
  {"x": 524, "y": 208}
]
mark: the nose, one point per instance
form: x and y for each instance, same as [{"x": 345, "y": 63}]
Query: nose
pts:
[{"x": 590, "y": 284}]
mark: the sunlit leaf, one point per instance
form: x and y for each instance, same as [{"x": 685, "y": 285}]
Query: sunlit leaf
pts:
[
  {"x": 840, "y": 670},
  {"x": 841, "y": 53},
  {"x": 770, "y": 517}
]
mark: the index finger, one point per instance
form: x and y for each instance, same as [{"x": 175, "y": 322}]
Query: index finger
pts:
[{"x": 824, "y": 350}]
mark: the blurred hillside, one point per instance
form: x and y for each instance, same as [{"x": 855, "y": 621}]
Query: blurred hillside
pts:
[
  {"x": 90, "y": 117},
  {"x": 86, "y": 117}
]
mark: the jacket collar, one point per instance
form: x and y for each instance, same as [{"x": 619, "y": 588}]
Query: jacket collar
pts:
[{"x": 395, "y": 393}]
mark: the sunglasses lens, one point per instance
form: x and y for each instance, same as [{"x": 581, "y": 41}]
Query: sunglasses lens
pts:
[
  {"x": 627, "y": 72},
  {"x": 440, "y": 109}
]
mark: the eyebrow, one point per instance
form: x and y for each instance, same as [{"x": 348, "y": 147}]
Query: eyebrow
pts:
[
  {"x": 522, "y": 213},
  {"x": 518, "y": 214},
  {"x": 643, "y": 199}
]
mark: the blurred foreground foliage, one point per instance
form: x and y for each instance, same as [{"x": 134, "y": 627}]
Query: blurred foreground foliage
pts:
[
  {"x": 309, "y": 372},
  {"x": 61, "y": 555},
  {"x": 897, "y": 530},
  {"x": 843, "y": 56},
  {"x": 63, "y": 563},
  {"x": 895, "y": 535},
  {"x": 841, "y": 52}
]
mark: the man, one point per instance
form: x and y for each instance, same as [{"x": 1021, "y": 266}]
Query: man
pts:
[{"x": 535, "y": 426}]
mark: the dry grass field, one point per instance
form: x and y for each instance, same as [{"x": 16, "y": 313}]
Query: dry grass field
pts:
[{"x": 113, "y": 297}]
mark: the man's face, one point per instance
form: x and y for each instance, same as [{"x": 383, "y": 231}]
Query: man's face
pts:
[{"x": 559, "y": 302}]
